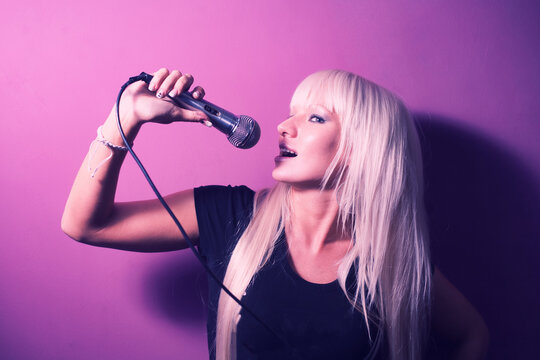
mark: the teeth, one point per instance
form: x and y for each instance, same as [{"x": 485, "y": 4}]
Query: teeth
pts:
[{"x": 287, "y": 152}]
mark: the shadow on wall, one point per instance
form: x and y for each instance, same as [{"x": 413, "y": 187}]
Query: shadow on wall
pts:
[
  {"x": 177, "y": 290},
  {"x": 484, "y": 209}
]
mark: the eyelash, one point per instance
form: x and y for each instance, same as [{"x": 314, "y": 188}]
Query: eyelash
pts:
[{"x": 319, "y": 120}]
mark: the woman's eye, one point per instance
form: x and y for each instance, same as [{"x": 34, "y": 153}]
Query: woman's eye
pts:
[{"x": 317, "y": 118}]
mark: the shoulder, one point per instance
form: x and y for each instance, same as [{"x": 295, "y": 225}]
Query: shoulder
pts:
[
  {"x": 221, "y": 190},
  {"x": 219, "y": 196},
  {"x": 222, "y": 206},
  {"x": 222, "y": 213},
  {"x": 455, "y": 320}
]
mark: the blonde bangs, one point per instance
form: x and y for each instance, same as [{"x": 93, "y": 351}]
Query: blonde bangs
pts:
[{"x": 314, "y": 88}]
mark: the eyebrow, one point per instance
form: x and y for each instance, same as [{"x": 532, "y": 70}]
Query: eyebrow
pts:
[{"x": 321, "y": 107}]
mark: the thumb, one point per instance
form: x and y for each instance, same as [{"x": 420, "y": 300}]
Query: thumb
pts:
[{"x": 179, "y": 114}]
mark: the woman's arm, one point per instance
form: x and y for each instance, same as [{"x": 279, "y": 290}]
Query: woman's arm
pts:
[
  {"x": 91, "y": 215},
  {"x": 457, "y": 327}
]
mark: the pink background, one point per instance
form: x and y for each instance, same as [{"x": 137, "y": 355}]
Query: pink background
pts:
[{"x": 469, "y": 71}]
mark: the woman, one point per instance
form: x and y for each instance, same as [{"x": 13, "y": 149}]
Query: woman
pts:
[{"x": 334, "y": 258}]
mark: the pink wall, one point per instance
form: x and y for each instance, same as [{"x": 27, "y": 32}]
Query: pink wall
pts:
[{"x": 469, "y": 70}]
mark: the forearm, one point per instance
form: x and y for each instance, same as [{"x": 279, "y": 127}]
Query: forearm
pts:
[
  {"x": 91, "y": 200},
  {"x": 91, "y": 215}
]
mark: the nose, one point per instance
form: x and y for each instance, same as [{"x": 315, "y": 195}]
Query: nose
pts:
[{"x": 287, "y": 127}]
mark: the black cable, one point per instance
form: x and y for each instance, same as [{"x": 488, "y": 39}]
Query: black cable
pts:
[{"x": 143, "y": 76}]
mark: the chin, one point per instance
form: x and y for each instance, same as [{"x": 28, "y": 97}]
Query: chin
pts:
[
  {"x": 300, "y": 183},
  {"x": 283, "y": 175},
  {"x": 277, "y": 176}
]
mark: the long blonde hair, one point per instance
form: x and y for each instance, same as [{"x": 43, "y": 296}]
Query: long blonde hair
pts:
[{"x": 377, "y": 176}]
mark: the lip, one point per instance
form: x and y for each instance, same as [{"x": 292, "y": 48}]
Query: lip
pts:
[
  {"x": 280, "y": 158},
  {"x": 284, "y": 146}
]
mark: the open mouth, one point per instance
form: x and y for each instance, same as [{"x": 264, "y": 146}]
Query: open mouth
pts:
[{"x": 286, "y": 152}]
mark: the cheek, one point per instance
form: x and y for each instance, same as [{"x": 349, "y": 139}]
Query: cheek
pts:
[
  {"x": 329, "y": 147},
  {"x": 323, "y": 142},
  {"x": 323, "y": 152}
]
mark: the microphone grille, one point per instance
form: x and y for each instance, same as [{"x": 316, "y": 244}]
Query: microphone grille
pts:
[{"x": 246, "y": 134}]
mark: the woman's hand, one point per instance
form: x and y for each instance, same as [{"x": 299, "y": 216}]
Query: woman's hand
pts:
[{"x": 141, "y": 103}]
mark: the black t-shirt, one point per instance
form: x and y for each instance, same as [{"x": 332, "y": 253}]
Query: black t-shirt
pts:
[{"x": 316, "y": 319}]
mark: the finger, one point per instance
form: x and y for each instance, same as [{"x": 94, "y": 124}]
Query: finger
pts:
[
  {"x": 182, "y": 84},
  {"x": 198, "y": 92},
  {"x": 158, "y": 78},
  {"x": 168, "y": 83},
  {"x": 179, "y": 114}
]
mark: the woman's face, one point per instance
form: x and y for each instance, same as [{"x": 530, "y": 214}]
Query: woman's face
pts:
[{"x": 308, "y": 141}]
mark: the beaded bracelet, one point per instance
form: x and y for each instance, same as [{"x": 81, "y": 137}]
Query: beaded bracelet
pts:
[{"x": 101, "y": 139}]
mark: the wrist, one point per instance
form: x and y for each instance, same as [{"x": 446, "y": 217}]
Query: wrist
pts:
[{"x": 130, "y": 126}]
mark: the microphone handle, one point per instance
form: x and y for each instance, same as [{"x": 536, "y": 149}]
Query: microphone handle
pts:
[{"x": 221, "y": 119}]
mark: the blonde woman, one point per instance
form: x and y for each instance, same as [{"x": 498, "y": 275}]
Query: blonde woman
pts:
[{"x": 334, "y": 259}]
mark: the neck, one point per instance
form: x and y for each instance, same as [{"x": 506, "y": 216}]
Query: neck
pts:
[{"x": 313, "y": 220}]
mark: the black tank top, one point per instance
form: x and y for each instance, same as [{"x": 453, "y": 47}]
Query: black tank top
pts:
[{"x": 316, "y": 319}]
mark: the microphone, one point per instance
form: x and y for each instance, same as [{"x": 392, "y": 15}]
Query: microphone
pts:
[{"x": 242, "y": 131}]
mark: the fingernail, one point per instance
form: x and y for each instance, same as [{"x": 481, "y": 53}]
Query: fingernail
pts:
[
  {"x": 196, "y": 94},
  {"x": 151, "y": 87},
  {"x": 207, "y": 123},
  {"x": 159, "y": 95},
  {"x": 172, "y": 93}
]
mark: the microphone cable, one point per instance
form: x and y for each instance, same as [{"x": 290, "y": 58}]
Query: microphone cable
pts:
[{"x": 145, "y": 77}]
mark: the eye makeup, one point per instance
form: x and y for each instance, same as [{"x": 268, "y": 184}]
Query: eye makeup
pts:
[
  {"x": 314, "y": 111},
  {"x": 317, "y": 118}
]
